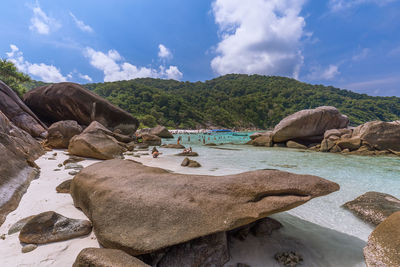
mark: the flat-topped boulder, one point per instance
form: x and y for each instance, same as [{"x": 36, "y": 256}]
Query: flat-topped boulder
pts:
[
  {"x": 264, "y": 139},
  {"x": 160, "y": 131},
  {"x": 379, "y": 134},
  {"x": 61, "y": 132},
  {"x": 142, "y": 209},
  {"x": 18, "y": 151},
  {"x": 309, "y": 124},
  {"x": 19, "y": 114},
  {"x": 96, "y": 142},
  {"x": 176, "y": 146},
  {"x": 383, "y": 248},
  {"x": 70, "y": 101},
  {"x": 373, "y": 207},
  {"x": 103, "y": 257}
]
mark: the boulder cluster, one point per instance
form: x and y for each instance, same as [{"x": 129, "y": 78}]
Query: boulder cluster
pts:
[{"x": 325, "y": 129}]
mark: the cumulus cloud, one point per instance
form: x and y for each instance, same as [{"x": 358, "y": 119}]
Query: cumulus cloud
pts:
[
  {"x": 116, "y": 69},
  {"x": 47, "y": 73},
  {"x": 80, "y": 24},
  {"x": 41, "y": 22},
  {"x": 259, "y": 36},
  {"x": 329, "y": 73},
  {"x": 338, "y": 5},
  {"x": 164, "y": 52}
]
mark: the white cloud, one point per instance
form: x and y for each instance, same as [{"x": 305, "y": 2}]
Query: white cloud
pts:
[
  {"x": 47, "y": 73},
  {"x": 85, "y": 77},
  {"x": 41, "y": 22},
  {"x": 80, "y": 24},
  {"x": 164, "y": 52},
  {"x": 318, "y": 73},
  {"x": 259, "y": 36},
  {"x": 361, "y": 55},
  {"x": 338, "y": 5},
  {"x": 115, "y": 69}
]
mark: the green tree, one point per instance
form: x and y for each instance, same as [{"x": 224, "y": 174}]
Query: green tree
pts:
[{"x": 12, "y": 77}]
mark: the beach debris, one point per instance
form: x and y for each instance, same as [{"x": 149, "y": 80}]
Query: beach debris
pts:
[{"x": 290, "y": 259}]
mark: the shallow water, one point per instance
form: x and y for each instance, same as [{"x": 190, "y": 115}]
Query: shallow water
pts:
[{"x": 355, "y": 175}]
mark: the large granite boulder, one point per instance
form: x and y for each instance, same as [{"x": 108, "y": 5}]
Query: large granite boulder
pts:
[
  {"x": 160, "y": 131},
  {"x": 61, "y": 132},
  {"x": 383, "y": 248},
  {"x": 50, "y": 226},
  {"x": 19, "y": 114},
  {"x": 70, "y": 101},
  {"x": 309, "y": 124},
  {"x": 103, "y": 257},
  {"x": 373, "y": 207},
  {"x": 96, "y": 142},
  {"x": 141, "y": 209},
  {"x": 18, "y": 151},
  {"x": 379, "y": 134}
]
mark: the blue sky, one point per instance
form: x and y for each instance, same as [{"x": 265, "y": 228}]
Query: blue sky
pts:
[{"x": 353, "y": 44}]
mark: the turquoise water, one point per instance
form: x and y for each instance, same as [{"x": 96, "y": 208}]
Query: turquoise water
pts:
[
  {"x": 355, "y": 175},
  {"x": 224, "y": 138}
]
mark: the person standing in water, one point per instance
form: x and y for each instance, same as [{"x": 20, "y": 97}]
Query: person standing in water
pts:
[{"x": 179, "y": 140}]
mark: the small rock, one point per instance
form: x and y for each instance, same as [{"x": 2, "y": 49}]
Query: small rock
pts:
[
  {"x": 176, "y": 146},
  {"x": 28, "y": 248},
  {"x": 73, "y": 173},
  {"x": 51, "y": 158},
  {"x": 190, "y": 163},
  {"x": 73, "y": 159},
  {"x": 188, "y": 154},
  {"x": 55, "y": 154},
  {"x": 290, "y": 258},
  {"x": 50, "y": 226},
  {"x": 3, "y": 236},
  {"x": 56, "y": 170},
  {"x": 64, "y": 187},
  {"x": 73, "y": 166},
  {"x": 59, "y": 165},
  {"x": 129, "y": 153},
  {"x": 242, "y": 265}
]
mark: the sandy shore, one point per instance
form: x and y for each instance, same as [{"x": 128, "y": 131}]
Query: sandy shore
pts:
[{"x": 42, "y": 196}]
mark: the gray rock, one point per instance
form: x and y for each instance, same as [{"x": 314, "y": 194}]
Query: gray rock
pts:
[
  {"x": 290, "y": 258},
  {"x": 49, "y": 227},
  {"x": 64, "y": 187},
  {"x": 28, "y": 248},
  {"x": 373, "y": 207}
]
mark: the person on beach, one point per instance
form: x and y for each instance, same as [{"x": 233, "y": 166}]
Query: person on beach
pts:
[
  {"x": 156, "y": 154},
  {"x": 179, "y": 140},
  {"x": 154, "y": 150}
]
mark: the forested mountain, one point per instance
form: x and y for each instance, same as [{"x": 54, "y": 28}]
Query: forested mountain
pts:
[{"x": 241, "y": 101}]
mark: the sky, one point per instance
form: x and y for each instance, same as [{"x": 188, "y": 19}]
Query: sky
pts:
[{"x": 350, "y": 44}]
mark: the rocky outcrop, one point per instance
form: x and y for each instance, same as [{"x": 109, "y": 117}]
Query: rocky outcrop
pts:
[
  {"x": 141, "y": 209},
  {"x": 373, "y": 207},
  {"x": 159, "y": 131},
  {"x": 188, "y": 154},
  {"x": 49, "y": 227},
  {"x": 190, "y": 163},
  {"x": 379, "y": 135},
  {"x": 383, "y": 248},
  {"x": 151, "y": 140},
  {"x": 61, "y": 132},
  {"x": 70, "y": 101},
  {"x": 102, "y": 257},
  {"x": 18, "y": 151},
  {"x": 96, "y": 142},
  {"x": 176, "y": 146},
  {"x": 309, "y": 125},
  {"x": 264, "y": 139},
  {"x": 19, "y": 114}
]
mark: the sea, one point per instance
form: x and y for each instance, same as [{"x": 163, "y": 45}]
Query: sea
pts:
[{"x": 343, "y": 235}]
